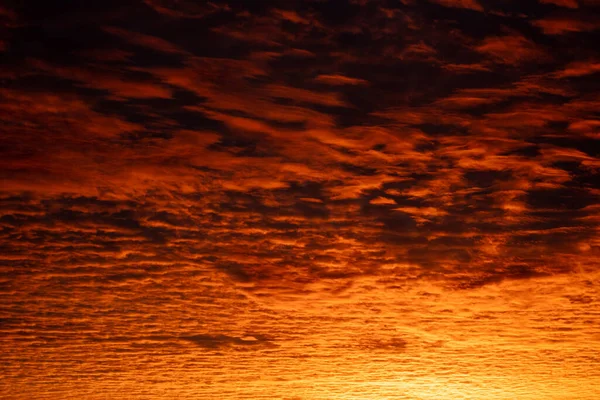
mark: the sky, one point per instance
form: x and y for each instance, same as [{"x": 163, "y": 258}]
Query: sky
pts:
[{"x": 300, "y": 199}]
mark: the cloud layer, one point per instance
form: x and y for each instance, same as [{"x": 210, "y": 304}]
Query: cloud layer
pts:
[{"x": 357, "y": 198}]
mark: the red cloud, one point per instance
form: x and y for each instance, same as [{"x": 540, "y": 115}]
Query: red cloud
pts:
[
  {"x": 562, "y": 25},
  {"x": 579, "y": 68},
  {"x": 336, "y": 79},
  {"x": 109, "y": 80},
  {"x": 512, "y": 49},
  {"x": 149, "y": 41},
  {"x": 562, "y": 3},
  {"x": 468, "y": 4}
]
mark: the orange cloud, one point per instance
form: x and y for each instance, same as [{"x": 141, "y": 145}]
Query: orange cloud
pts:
[{"x": 188, "y": 187}]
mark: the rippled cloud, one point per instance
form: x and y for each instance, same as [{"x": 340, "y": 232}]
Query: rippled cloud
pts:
[{"x": 298, "y": 180}]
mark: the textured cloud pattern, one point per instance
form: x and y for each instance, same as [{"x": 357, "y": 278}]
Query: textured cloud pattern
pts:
[{"x": 300, "y": 199}]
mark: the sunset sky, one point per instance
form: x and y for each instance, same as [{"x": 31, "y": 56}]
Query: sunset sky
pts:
[{"x": 300, "y": 199}]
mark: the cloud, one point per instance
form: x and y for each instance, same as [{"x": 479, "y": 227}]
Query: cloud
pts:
[
  {"x": 467, "y": 4},
  {"x": 107, "y": 80},
  {"x": 394, "y": 344},
  {"x": 143, "y": 40},
  {"x": 342, "y": 185},
  {"x": 565, "y": 25},
  {"x": 335, "y": 80},
  {"x": 580, "y": 68},
  {"x": 291, "y": 16},
  {"x": 511, "y": 49},
  {"x": 176, "y": 9},
  {"x": 224, "y": 341},
  {"x": 562, "y": 3}
]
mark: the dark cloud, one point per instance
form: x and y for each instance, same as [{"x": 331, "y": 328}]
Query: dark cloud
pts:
[{"x": 222, "y": 341}]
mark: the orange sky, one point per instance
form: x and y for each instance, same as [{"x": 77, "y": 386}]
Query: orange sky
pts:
[{"x": 300, "y": 200}]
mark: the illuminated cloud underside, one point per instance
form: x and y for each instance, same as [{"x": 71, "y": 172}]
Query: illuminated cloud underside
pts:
[{"x": 300, "y": 200}]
